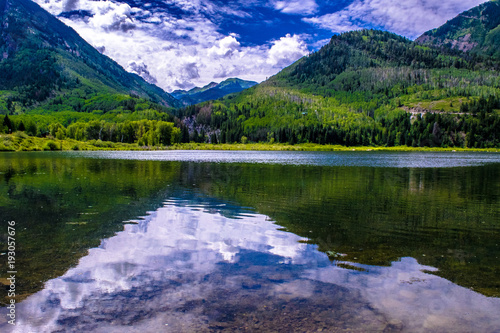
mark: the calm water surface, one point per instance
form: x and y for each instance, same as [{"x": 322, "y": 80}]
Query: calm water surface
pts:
[{"x": 253, "y": 241}]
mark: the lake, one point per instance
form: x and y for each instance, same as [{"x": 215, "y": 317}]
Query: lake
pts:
[{"x": 227, "y": 241}]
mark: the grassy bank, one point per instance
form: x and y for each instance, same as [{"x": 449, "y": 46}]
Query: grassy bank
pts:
[
  {"x": 19, "y": 141},
  {"x": 311, "y": 147}
]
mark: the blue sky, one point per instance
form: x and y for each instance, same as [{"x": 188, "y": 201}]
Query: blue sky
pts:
[{"x": 179, "y": 44}]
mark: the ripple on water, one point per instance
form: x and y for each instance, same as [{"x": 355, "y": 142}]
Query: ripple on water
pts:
[{"x": 358, "y": 158}]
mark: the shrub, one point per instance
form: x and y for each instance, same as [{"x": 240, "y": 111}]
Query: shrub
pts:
[
  {"x": 20, "y": 135},
  {"x": 51, "y": 145}
]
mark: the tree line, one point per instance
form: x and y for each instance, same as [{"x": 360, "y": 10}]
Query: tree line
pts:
[{"x": 143, "y": 132}]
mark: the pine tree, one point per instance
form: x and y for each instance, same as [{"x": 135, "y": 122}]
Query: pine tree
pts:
[{"x": 7, "y": 123}]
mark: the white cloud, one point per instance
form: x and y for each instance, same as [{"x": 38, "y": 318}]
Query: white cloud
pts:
[
  {"x": 225, "y": 71},
  {"x": 410, "y": 18},
  {"x": 177, "y": 52},
  {"x": 286, "y": 50},
  {"x": 225, "y": 47},
  {"x": 112, "y": 17},
  {"x": 303, "y": 7},
  {"x": 187, "y": 50},
  {"x": 336, "y": 22}
]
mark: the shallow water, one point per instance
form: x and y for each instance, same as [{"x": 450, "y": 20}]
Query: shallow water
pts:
[{"x": 254, "y": 241}]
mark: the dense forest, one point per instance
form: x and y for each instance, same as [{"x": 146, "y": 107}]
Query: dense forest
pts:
[
  {"x": 106, "y": 117},
  {"x": 476, "y": 126}
]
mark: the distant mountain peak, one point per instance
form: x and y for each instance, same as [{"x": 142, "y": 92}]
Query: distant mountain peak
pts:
[
  {"x": 212, "y": 91},
  {"x": 211, "y": 85}
]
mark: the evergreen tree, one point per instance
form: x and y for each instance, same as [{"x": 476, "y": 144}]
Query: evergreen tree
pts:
[{"x": 7, "y": 124}]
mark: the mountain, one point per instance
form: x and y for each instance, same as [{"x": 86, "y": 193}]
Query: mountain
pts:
[
  {"x": 43, "y": 59},
  {"x": 476, "y": 30},
  {"x": 212, "y": 91},
  {"x": 363, "y": 88}
]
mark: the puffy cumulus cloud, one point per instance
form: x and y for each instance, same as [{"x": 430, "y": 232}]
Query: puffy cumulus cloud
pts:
[
  {"x": 113, "y": 17},
  {"x": 225, "y": 47},
  {"x": 190, "y": 70},
  {"x": 103, "y": 15},
  {"x": 179, "y": 43},
  {"x": 409, "y": 18},
  {"x": 286, "y": 50},
  {"x": 302, "y": 7}
]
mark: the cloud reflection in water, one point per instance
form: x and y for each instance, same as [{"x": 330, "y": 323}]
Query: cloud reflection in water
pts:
[{"x": 188, "y": 268}]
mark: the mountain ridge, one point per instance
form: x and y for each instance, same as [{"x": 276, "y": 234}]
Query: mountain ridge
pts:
[
  {"x": 29, "y": 35},
  {"x": 212, "y": 91},
  {"x": 476, "y": 30}
]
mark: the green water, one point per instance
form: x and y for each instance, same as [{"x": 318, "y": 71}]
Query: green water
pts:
[{"x": 360, "y": 213}]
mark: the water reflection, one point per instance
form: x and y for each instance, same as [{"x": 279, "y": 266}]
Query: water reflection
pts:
[
  {"x": 192, "y": 266},
  {"x": 311, "y": 158}
]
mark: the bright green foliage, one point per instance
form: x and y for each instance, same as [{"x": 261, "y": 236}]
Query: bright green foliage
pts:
[
  {"x": 363, "y": 88},
  {"x": 55, "y": 84},
  {"x": 51, "y": 145},
  {"x": 145, "y": 132},
  {"x": 150, "y": 127}
]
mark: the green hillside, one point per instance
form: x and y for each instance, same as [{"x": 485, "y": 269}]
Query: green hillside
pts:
[
  {"x": 476, "y": 30},
  {"x": 363, "y": 88},
  {"x": 212, "y": 91},
  {"x": 54, "y": 84},
  {"x": 43, "y": 59}
]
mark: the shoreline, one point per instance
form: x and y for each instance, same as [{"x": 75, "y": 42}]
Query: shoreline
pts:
[{"x": 21, "y": 142}]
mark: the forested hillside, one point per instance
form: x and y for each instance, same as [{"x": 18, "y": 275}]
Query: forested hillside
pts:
[
  {"x": 43, "y": 59},
  {"x": 476, "y": 30},
  {"x": 364, "y": 88},
  {"x": 53, "y": 83}
]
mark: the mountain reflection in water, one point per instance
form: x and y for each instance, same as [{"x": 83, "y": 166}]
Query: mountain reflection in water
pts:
[{"x": 187, "y": 267}]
